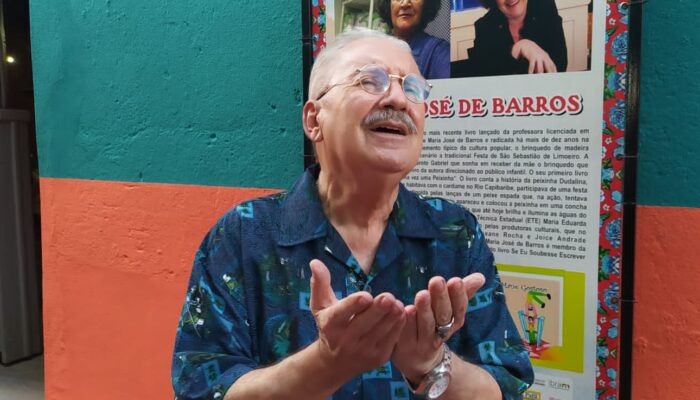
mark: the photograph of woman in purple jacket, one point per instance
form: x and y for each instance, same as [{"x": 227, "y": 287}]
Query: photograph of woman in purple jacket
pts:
[{"x": 407, "y": 20}]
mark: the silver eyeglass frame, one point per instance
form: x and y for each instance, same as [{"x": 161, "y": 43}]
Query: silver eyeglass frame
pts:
[{"x": 401, "y": 79}]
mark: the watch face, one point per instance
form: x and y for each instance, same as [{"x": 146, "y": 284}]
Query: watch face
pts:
[{"x": 439, "y": 386}]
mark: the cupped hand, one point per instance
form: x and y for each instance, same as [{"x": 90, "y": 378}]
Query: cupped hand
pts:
[
  {"x": 357, "y": 333},
  {"x": 538, "y": 59},
  {"x": 419, "y": 347}
]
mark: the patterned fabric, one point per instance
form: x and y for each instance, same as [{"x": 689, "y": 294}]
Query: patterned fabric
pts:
[{"x": 247, "y": 305}]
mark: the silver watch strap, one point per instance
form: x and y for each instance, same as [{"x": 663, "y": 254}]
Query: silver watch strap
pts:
[{"x": 445, "y": 365}]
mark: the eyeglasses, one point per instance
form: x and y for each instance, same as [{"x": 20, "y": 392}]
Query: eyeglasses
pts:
[{"x": 376, "y": 80}]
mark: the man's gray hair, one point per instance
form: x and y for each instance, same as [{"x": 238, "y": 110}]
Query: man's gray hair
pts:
[{"x": 323, "y": 66}]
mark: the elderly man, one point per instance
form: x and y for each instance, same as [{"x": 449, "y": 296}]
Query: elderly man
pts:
[{"x": 349, "y": 286}]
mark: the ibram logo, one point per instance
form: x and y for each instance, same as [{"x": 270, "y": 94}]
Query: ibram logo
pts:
[{"x": 559, "y": 385}]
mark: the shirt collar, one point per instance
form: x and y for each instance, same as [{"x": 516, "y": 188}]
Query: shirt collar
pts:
[
  {"x": 411, "y": 216},
  {"x": 302, "y": 218}
]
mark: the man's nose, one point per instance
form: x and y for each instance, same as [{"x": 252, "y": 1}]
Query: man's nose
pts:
[{"x": 394, "y": 96}]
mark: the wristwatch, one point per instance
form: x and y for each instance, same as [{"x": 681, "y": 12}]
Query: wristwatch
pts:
[{"x": 435, "y": 382}]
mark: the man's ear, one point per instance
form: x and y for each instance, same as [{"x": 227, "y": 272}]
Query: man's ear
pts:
[{"x": 310, "y": 121}]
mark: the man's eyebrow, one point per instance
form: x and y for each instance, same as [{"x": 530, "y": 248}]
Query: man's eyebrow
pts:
[{"x": 399, "y": 70}]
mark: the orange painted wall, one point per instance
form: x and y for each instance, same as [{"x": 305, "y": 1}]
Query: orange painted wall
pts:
[
  {"x": 116, "y": 259},
  {"x": 666, "y": 349}
]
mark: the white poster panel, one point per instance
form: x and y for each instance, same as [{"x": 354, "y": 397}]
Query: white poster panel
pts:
[{"x": 523, "y": 153}]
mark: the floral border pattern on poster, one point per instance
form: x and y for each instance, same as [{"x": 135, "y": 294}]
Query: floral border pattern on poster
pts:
[
  {"x": 610, "y": 251},
  {"x": 318, "y": 26}
]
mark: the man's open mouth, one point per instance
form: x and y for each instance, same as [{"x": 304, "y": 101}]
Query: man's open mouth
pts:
[
  {"x": 390, "y": 129},
  {"x": 388, "y": 121}
]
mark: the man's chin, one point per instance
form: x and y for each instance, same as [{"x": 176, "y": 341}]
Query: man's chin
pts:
[{"x": 393, "y": 166}]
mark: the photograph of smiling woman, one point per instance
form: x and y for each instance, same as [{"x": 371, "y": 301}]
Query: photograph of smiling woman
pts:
[{"x": 519, "y": 37}]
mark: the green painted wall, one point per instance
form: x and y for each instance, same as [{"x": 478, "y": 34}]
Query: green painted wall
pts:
[
  {"x": 669, "y": 142},
  {"x": 177, "y": 92}
]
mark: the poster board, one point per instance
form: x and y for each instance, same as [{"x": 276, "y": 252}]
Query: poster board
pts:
[{"x": 539, "y": 160}]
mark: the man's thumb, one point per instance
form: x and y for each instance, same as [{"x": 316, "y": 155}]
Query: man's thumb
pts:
[
  {"x": 472, "y": 283},
  {"x": 322, "y": 295}
]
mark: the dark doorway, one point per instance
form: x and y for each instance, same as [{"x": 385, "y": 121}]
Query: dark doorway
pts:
[{"x": 20, "y": 241}]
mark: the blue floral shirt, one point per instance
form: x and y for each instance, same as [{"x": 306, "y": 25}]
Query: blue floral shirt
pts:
[{"x": 247, "y": 304}]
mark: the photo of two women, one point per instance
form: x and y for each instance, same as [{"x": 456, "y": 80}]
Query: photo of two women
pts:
[{"x": 471, "y": 38}]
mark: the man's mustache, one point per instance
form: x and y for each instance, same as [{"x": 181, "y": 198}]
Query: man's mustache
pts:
[{"x": 390, "y": 115}]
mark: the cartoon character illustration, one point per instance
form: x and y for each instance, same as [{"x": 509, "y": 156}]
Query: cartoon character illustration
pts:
[{"x": 533, "y": 324}]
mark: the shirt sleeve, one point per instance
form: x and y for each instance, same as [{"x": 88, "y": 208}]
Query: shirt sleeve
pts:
[
  {"x": 489, "y": 337},
  {"x": 556, "y": 42},
  {"x": 478, "y": 53},
  {"x": 213, "y": 342},
  {"x": 440, "y": 61}
]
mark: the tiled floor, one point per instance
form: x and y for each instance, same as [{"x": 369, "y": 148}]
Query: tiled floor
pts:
[{"x": 23, "y": 380}]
